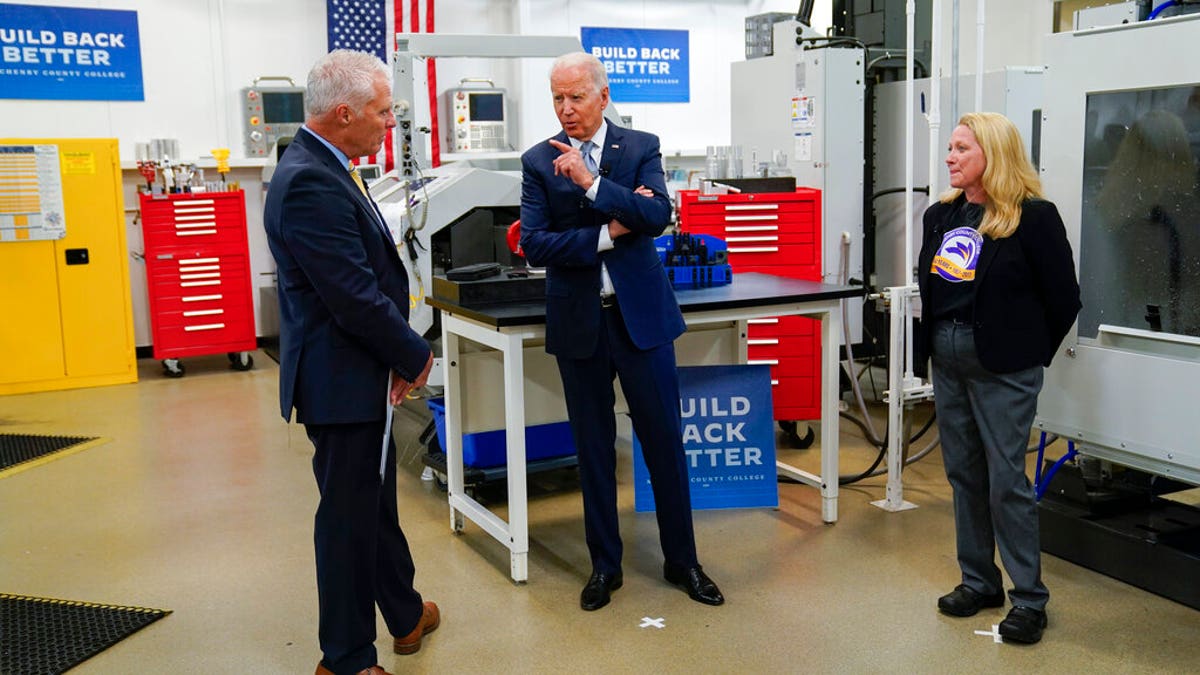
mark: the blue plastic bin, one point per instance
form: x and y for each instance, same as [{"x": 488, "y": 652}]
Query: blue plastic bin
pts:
[{"x": 486, "y": 449}]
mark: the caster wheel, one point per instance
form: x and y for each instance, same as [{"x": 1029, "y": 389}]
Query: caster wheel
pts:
[
  {"x": 173, "y": 368},
  {"x": 791, "y": 431},
  {"x": 241, "y": 360}
]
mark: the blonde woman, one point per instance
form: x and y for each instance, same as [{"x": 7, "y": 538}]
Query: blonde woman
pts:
[{"x": 999, "y": 293}]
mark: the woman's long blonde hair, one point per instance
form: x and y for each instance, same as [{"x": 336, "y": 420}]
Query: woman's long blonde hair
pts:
[{"x": 1009, "y": 178}]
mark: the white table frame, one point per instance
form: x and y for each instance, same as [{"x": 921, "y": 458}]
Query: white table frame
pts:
[{"x": 509, "y": 341}]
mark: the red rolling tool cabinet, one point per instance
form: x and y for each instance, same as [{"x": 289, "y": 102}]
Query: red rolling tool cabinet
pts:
[
  {"x": 198, "y": 277},
  {"x": 775, "y": 233}
]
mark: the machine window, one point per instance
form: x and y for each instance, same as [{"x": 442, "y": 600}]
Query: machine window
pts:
[{"x": 1139, "y": 249}]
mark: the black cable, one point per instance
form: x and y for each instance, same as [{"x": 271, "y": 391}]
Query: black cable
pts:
[
  {"x": 804, "y": 13},
  {"x": 888, "y": 57},
  {"x": 889, "y": 191}
]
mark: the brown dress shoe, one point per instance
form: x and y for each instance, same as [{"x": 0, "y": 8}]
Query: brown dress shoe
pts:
[
  {"x": 429, "y": 621},
  {"x": 373, "y": 670}
]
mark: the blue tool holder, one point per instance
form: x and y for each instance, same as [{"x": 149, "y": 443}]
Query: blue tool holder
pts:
[{"x": 694, "y": 260}]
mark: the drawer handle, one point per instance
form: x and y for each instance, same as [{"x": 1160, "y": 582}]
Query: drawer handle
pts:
[
  {"x": 754, "y": 249},
  {"x": 204, "y": 312},
  {"x": 192, "y": 233},
  {"x": 202, "y": 275},
  {"x": 204, "y": 326},
  {"x": 749, "y": 239},
  {"x": 189, "y": 284},
  {"x": 751, "y": 207},
  {"x": 732, "y": 219},
  {"x": 752, "y": 228},
  {"x": 185, "y": 226},
  {"x": 200, "y": 268},
  {"x": 192, "y": 203},
  {"x": 763, "y": 341},
  {"x": 775, "y": 320},
  {"x": 190, "y": 218},
  {"x": 762, "y": 362},
  {"x": 199, "y": 261},
  {"x": 201, "y": 298}
]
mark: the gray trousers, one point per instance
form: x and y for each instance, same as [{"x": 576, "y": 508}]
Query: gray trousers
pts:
[{"x": 984, "y": 419}]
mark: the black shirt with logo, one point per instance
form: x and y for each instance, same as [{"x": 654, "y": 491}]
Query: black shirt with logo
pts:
[{"x": 952, "y": 277}]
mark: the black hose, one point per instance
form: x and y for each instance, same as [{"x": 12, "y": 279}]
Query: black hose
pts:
[{"x": 890, "y": 191}]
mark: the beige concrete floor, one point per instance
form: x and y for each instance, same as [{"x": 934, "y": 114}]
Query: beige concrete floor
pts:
[{"x": 202, "y": 501}]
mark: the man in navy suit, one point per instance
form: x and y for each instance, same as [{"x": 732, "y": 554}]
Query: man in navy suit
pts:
[
  {"x": 593, "y": 199},
  {"x": 343, "y": 304}
]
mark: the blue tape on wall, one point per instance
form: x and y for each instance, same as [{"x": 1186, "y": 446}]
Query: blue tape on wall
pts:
[
  {"x": 66, "y": 53},
  {"x": 644, "y": 65},
  {"x": 728, "y": 439}
]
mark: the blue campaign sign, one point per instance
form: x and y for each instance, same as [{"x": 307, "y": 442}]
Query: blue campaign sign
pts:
[
  {"x": 728, "y": 439},
  {"x": 67, "y": 53},
  {"x": 644, "y": 65}
]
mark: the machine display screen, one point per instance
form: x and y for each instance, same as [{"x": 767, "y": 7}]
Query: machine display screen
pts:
[
  {"x": 283, "y": 107},
  {"x": 1139, "y": 249},
  {"x": 487, "y": 107}
]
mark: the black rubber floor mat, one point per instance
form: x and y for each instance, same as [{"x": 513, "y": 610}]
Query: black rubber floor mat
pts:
[
  {"x": 17, "y": 450},
  {"x": 40, "y": 635}
]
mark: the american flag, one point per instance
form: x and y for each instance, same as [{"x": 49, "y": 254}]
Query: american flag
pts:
[
  {"x": 358, "y": 24},
  {"x": 365, "y": 25},
  {"x": 361, "y": 25}
]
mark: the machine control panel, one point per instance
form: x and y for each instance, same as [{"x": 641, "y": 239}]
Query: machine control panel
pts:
[
  {"x": 271, "y": 113},
  {"x": 478, "y": 122}
]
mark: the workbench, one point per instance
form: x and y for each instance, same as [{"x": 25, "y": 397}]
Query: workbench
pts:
[{"x": 507, "y": 328}]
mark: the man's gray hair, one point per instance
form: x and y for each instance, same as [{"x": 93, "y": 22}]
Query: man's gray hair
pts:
[
  {"x": 342, "y": 76},
  {"x": 585, "y": 60}
]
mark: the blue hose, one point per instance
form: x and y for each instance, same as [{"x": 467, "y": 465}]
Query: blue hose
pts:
[
  {"x": 1045, "y": 483},
  {"x": 1157, "y": 10}
]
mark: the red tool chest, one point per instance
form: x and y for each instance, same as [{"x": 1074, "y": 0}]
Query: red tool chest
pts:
[
  {"x": 198, "y": 276},
  {"x": 775, "y": 233}
]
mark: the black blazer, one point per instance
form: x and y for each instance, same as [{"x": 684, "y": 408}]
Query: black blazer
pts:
[
  {"x": 1026, "y": 292},
  {"x": 343, "y": 292}
]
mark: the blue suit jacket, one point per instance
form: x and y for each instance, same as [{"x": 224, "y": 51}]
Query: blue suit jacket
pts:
[
  {"x": 343, "y": 292},
  {"x": 560, "y": 229}
]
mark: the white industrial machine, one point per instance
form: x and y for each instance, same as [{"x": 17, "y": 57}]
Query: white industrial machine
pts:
[
  {"x": 1125, "y": 386},
  {"x": 1119, "y": 149},
  {"x": 443, "y": 200},
  {"x": 805, "y": 101}
]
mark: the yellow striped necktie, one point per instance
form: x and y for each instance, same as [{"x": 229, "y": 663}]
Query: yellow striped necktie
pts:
[{"x": 357, "y": 179}]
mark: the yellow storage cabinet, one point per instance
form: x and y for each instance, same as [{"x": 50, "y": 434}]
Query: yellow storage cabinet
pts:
[{"x": 66, "y": 314}]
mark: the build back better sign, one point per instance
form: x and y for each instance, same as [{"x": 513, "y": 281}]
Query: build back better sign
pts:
[
  {"x": 728, "y": 439},
  {"x": 643, "y": 65},
  {"x": 67, "y": 53}
]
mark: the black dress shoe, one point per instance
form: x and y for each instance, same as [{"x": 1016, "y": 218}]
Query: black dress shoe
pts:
[
  {"x": 693, "y": 580},
  {"x": 1023, "y": 624},
  {"x": 596, "y": 594},
  {"x": 963, "y": 601}
]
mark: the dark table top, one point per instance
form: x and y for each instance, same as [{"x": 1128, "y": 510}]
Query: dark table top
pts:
[{"x": 749, "y": 289}]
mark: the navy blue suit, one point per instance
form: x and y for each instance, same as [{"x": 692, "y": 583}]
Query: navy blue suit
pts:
[
  {"x": 560, "y": 229},
  {"x": 343, "y": 304}
]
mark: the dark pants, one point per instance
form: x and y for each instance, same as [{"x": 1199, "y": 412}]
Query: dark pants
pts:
[
  {"x": 362, "y": 555},
  {"x": 984, "y": 419},
  {"x": 651, "y": 387}
]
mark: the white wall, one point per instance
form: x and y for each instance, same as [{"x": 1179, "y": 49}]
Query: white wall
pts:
[{"x": 197, "y": 55}]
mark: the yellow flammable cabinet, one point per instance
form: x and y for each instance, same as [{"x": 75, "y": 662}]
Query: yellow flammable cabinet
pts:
[{"x": 66, "y": 313}]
